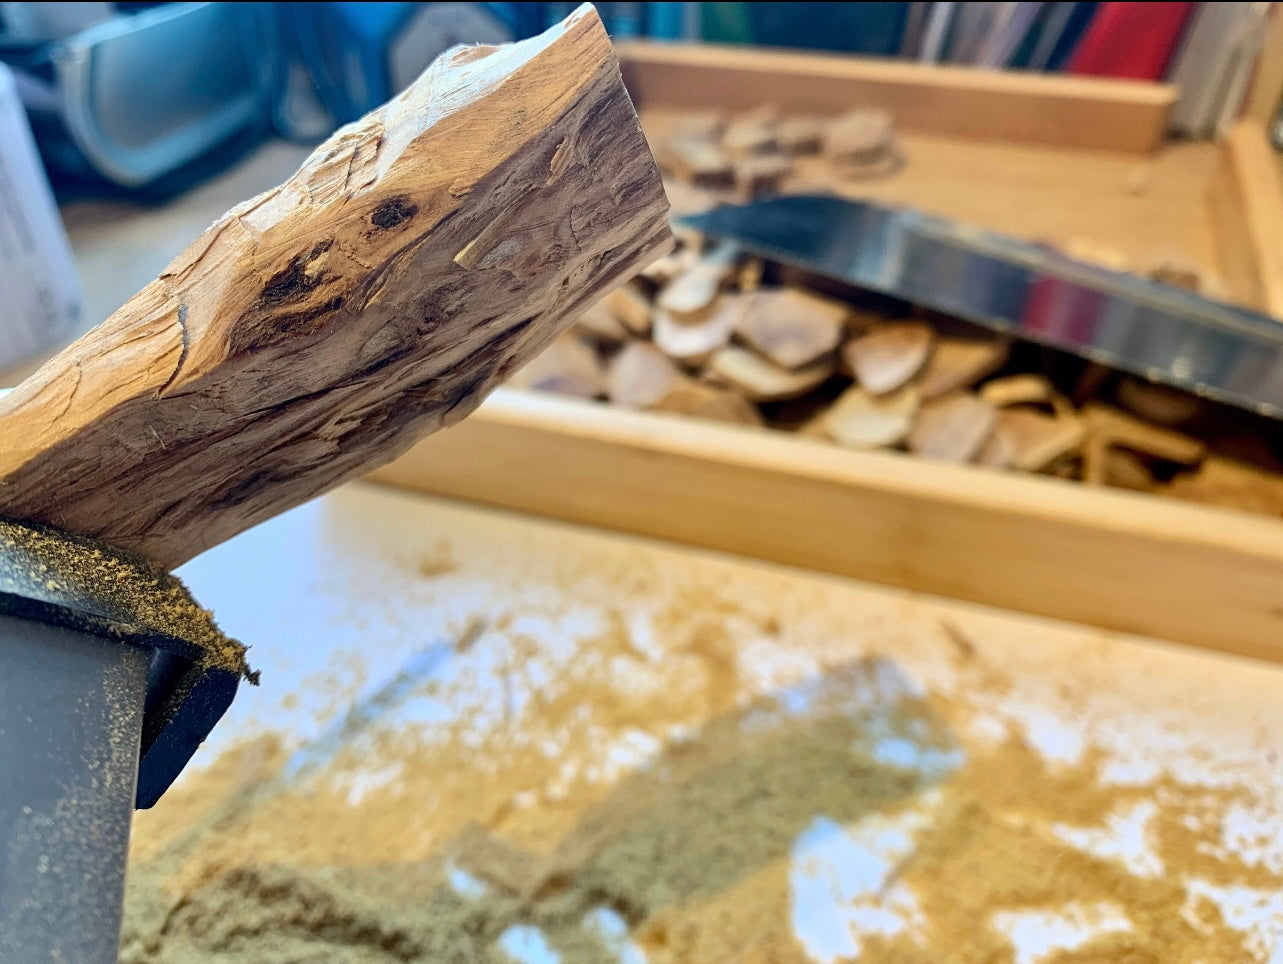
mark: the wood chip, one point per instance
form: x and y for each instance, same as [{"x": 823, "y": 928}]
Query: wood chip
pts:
[
  {"x": 701, "y": 162},
  {"x": 688, "y": 239},
  {"x": 1213, "y": 288},
  {"x": 1064, "y": 469},
  {"x": 1096, "y": 253},
  {"x": 1061, "y": 405},
  {"x": 1095, "y": 455},
  {"x": 664, "y": 269},
  {"x": 690, "y": 397},
  {"x": 709, "y": 377},
  {"x": 761, "y": 380},
  {"x": 1158, "y": 403},
  {"x": 751, "y": 133},
  {"x": 1177, "y": 273},
  {"x": 761, "y": 173},
  {"x": 1030, "y": 441},
  {"x": 888, "y": 356},
  {"x": 569, "y": 366},
  {"x": 952, "y": 428},
  {"x": 863, "y": 320},
  {"x": 1227, "y": 482},
  {"x": 881, "y": 165},
  {"x": 792, "y": 326},
  {"x": 960, "y": 363},
  {"x": 694, "y": 289},
  {"x": 686, "y": 198},
  {"x": 692, "y": 339},
  {"x": 1126, "y": 470},
  {"x": 599, "y": 323},
  {"x": 704, "y": 125},
  {"x": 640, "y": 376},
  {"x": 630, "y": 307},
  {"x": 1091, "y": 380},
  {"x": 998, "y": 451},
  {"x": 800, "y": 135},
  {"x": 860, "y": 135},
  {"x": 1116, "y": 427},
  {"x": 749, "y": 277},
  {"x": 1017, "y": 390},
  {"x": 861, "y": 420}
]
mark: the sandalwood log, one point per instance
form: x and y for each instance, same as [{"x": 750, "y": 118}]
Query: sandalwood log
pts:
[{"x": 417, "y": 258}]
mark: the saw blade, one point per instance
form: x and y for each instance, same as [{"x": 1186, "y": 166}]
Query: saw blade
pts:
[{"x": 1029, "y": 291}]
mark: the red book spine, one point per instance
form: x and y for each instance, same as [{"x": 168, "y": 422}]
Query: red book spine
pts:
[{"x": 1130, "y": 40}]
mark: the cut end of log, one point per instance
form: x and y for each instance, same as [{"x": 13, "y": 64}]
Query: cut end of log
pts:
[{"x": 417, "y": 258}]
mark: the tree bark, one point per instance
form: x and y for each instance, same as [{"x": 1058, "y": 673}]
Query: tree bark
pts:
[{"x": 414, "y": 261}]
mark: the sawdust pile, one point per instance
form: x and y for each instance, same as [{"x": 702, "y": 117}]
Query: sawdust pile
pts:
[
  {"x": 473, "y": 844},
  {"x": 110, "y": 588}
]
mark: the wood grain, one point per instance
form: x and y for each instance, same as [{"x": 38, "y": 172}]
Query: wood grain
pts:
[
  {"x": 1053, "y": 110},
  {"x": 417, "y": 258},
  {"x": 1118, "y": 560}
]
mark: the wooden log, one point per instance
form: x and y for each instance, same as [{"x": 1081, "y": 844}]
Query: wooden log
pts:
[{"x": 414, "y": 261}]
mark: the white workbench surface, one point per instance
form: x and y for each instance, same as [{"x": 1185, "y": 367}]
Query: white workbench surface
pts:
[
  {"x": 337, "y": 591},
  {"x": 371, "y": 585}
]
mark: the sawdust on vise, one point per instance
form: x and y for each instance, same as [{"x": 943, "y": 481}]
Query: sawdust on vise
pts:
[
  {"x": 111, "y": 592},
  {"x": 476, "y": 835}
]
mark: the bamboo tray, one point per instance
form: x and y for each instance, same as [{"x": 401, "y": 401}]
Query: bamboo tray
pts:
[
  {"x": 1041, "y": 157},
  {"x": 1121, "y": 561}
]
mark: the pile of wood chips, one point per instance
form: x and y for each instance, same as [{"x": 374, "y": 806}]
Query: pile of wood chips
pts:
[{"x": 710, "y": 332}]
